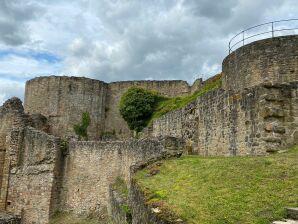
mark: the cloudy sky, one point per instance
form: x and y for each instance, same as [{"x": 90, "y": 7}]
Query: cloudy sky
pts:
[{"x": 115, "y": 40}]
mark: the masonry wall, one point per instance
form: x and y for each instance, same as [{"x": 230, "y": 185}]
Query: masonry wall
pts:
[
  {"x": 11, "y": 116},
  {"x": 258, "y": 120},
  {"x": 273, "y": 59},
  {"x": 63, "y": 100},
  {"x": 114, "y": 122},
  {"x": 91, "y": 167},
  {"x": 33, "y": 164}
]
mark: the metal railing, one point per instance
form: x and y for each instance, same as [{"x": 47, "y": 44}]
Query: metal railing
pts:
[{"x": 272, "y": 29}]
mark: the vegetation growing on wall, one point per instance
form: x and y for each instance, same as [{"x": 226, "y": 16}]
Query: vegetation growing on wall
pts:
[
  {"x": 137, "y": 106},
  {"x": 81, "y": 128},
  {"x": 166, "y": 105},
  {"x": 224, "y": 190}
]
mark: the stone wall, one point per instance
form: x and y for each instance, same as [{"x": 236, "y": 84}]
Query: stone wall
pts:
[
  {"x": 273, "y": 59},
  {"x": 11, "y": 116},
  {"x": 63, "y": 100},
  {"x": 32, "y": 162},
  {"x": 91, "y": 167},
  {"x": 255, "y": 121},
  {"x": 114, "y": 122},
  {"x": 119, "y": 208}
]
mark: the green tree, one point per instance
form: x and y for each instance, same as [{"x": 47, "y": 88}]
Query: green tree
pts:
[
  {"x": 81, "y": 128},
  {"x": 137, "y": 106}
]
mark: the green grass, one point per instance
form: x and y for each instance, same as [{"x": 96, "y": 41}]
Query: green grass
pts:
[
  {"x": 225, "y": 189},
  {"x": 166, "y": 105}
]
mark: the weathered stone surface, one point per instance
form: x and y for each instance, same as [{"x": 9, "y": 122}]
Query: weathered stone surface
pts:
[
  {"x": 292, "y": 213},
  {"x": 91, "y": 167},
  {"x": 63, "y": 100},
  {"x": 228, "y": 123},
  {"x": 118, "y": 206},
  {"x": 269, "y": 61},
  {"x": 34, "y": 178},
  {"x": 7, "y": 218}
]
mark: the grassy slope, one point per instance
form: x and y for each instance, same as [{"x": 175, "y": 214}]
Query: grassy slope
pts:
[
  {"x": 168, "y": 104},
  {"x": 225, "y": 190}
]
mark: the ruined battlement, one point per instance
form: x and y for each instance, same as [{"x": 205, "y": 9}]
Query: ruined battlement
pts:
[{"x": 63, "y": 99}]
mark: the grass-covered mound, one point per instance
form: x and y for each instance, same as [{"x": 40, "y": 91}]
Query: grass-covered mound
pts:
[
  {"x": 224, "y": 189},
  {"x": 166, "y": 105}
]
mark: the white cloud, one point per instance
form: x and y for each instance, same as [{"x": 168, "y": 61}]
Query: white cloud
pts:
[
  {"x": 9, "y": 88},
  {"x": 126, "y": 40}
]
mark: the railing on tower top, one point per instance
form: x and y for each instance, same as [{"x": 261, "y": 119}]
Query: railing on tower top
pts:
[{"x": 271, "y": 28}]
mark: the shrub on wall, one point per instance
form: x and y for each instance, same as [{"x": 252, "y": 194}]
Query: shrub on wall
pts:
[
  {"x": 81, "y": 128},
  {"x": 137, "y": 106}
]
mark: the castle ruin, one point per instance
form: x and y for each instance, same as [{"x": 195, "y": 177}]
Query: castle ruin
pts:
[{"x": 254, "y": 113}]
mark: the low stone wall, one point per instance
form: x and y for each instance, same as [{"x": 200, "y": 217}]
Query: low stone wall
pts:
[
  {"x": 91, "y": 167},
  {"x": 254, "y": 121}
]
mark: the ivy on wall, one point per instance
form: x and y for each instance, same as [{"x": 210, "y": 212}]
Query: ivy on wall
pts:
[{"x": 81, "y": 128}]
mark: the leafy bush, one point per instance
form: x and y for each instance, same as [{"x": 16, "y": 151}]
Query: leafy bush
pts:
[
  {"x": 81, "y": 129},
  {"x": 137, "y": 106}
]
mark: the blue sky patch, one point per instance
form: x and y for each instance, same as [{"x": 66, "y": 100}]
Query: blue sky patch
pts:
[{"x": 38, "y": 56}]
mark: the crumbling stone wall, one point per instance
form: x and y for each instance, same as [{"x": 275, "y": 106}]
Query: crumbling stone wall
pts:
[
  {"x": 91, "y": 167},
  {"x": 63, "y": 100},
  {"x": 254, "y": 121},
  {"x": 11, "y": 116},
  {"x": 273, "y": 59},
  {"x": 32, "y": 165}
]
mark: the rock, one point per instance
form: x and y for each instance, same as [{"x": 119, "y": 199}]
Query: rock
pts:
[
  {"x": 292, "y": 213},
  {"x": 13, "y": 103},
  {"x": 286, "y": 221},
  {"x": 155, "y": 210}
]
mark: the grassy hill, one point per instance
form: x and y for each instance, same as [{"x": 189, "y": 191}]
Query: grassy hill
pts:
[{"x": 224, "y": 189}]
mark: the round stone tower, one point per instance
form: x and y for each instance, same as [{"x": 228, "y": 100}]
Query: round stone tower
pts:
[
  {"x": 64, "y": 99},
  {"x": 269, "y": 60}
]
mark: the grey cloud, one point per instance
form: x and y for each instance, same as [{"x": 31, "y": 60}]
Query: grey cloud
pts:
[
  {"x": 13, "y": 17},
  {"x": 212, "y": 9},
  {"x": 133, "y": 39}
]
